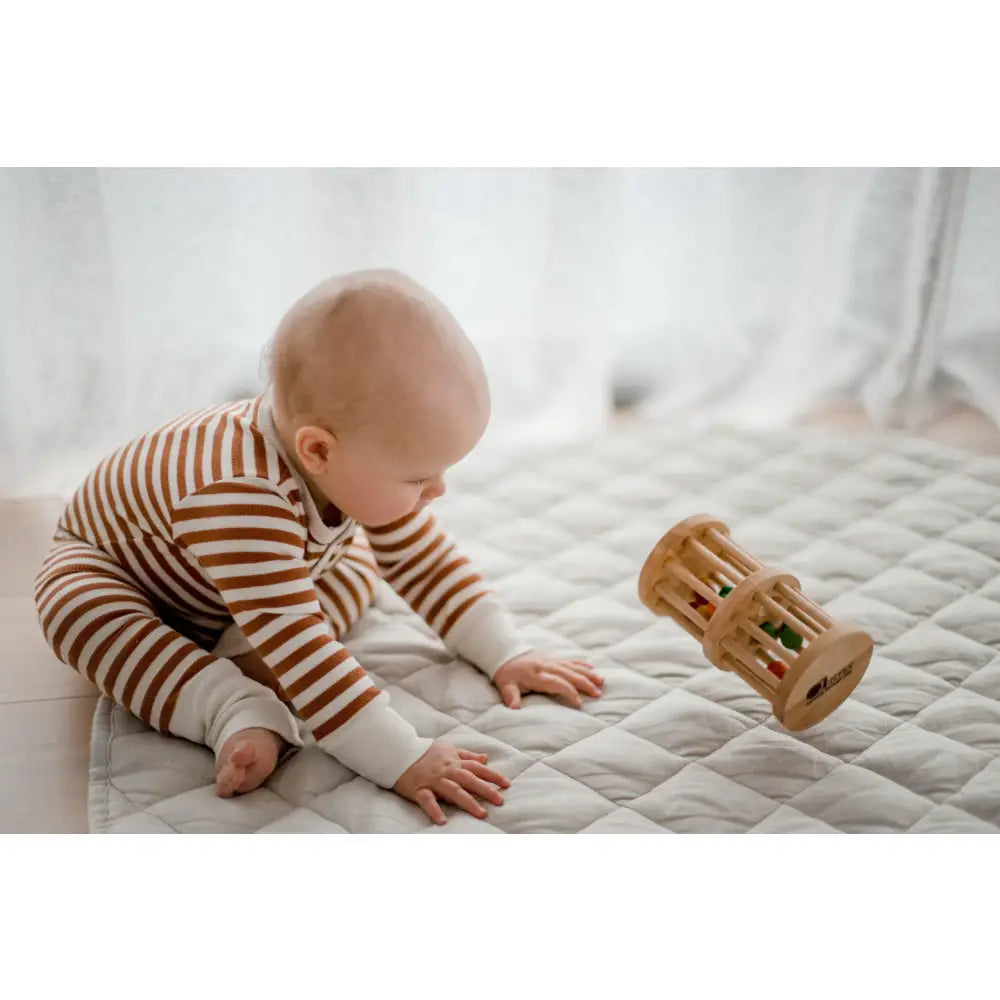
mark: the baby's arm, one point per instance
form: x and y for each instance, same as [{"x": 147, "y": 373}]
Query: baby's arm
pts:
[
  {"x": 426, "y": 569},
  {"x": 249, "y": 540}
]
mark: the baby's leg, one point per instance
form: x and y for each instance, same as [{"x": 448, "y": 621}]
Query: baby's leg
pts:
[{"x": 99, "y": 620}]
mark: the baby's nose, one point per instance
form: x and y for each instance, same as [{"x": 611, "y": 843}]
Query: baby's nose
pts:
[{"x": 434, "y": 488}]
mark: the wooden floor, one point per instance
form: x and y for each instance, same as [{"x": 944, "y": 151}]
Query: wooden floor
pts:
[{"x": 46, "y": 708}]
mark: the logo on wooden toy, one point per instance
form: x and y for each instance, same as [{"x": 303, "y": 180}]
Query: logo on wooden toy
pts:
[{"x": 821, "y": 687}]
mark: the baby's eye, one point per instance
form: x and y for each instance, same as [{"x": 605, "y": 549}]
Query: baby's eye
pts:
[{"x": 417, "y": 482}]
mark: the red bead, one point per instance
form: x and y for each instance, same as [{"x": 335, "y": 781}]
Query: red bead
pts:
[{"x": 778, "y": 668}]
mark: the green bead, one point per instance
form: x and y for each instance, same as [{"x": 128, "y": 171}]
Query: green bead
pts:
[
  {"x": 790, "y": 639},
  {"x": 771, "y": 629},
  {"x": 725, "y": 592}
]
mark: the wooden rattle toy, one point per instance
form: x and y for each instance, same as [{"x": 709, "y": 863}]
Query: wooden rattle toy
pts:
[{"x": 755, "y": 621}]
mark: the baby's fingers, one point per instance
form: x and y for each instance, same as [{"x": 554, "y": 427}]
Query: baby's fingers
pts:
[
  {"x": 471, "y": 755},
  {"x": 557, "y": 684},
  {"x": 585, "y": 668},
  {"x": 430, "y": 805},
  {"x": 460, "y": 797},
  {"x": 511, "y": 695},
  {"x": 488, "y": 774},
  {"x": 476, "y": 786},
  {"x": 581, "y": 681}
]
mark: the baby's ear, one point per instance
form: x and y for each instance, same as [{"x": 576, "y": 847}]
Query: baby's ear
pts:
[{"x": 314, "y": 446}]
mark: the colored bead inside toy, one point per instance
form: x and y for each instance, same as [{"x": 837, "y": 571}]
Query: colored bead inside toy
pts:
[
  {"x": 770, "y": 628},
  {"x": 726, "y": 591},
  {"x": 790, "y": 639},
  {"x": 778, "y": 668}
]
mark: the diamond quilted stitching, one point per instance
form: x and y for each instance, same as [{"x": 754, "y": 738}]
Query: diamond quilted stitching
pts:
[
  {"x": 771, "y": 763},
  {"x": 624, "y": 820},
  {"x": 948, "y": 819},
  {"x": 966, "y": 717},
  {"x": 532, "y": 592},
  {"x": 183, "y": 766},
  {"x": 882, "y": 539},
  {"x": 946, "y": 561},
  {"x": 975, "y": 617},
  {"x": 596, "y": 622},
  {"x": 543, "y": 800},
  {"x": 856, "y": 800},
  {"x": 457, "y": 689},
  {"x": 360, "y": 806},
  {"x": 966, "y": 492},
  {"x": 986, "y": 681},
  {"x": 142, "y": 822},
  {"x": 698, "y": 800},
  {"x": 926, "y": 516},
  {"x": 832, "y": 566},
  {"x": 882, "y": 621},
  {"x": 911, "y": 591},
  {"x": 540, "y": 726},
  {"x": 625, "y": 691},
  {"x": 617, "y": 764},
  {"x": 525, "y": 539},
  {"x": 945, "y": 654},
  {"x": 785, "y": 819},
  {"x": 721, "y": 687},
  {"x": 306, "y": 774},
  {"x": 925, "y": 762},
  {"x": 981, "y": 795},
  {"x": 463, "y": 823},
  {"x": 686, "y": 725},
  {"x": 661, "y": 651},
  {"x": 978, "y": 536},
  {"x": 899, "y": 690},
  {"x": 302, "y": 820},
  {"x": 853, "y": 727},
  {"x": 589, "y": 564},
  {"x": 200, "y": 810}
]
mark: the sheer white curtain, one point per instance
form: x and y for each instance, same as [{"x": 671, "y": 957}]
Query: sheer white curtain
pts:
[{"x": 129, "y": 296}]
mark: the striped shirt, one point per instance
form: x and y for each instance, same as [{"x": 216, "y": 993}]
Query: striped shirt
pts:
[{"x": 209, "y": 516}]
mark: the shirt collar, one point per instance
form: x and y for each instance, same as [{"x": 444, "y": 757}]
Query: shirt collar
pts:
[{"x": 318, "y": 528}]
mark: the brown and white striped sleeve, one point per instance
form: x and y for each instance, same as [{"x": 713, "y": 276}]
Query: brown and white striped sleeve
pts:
[
  {"x": 425, "y": 567},
  {"x": 250, "y": 541}
]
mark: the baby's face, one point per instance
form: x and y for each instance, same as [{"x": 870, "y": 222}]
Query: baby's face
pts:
[
  {"x": 378, "y": 475},
  {"x": 375, "y": 488}
]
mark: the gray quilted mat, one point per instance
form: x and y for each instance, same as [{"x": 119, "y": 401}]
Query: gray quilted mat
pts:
[{"x": 899, "y": 535}]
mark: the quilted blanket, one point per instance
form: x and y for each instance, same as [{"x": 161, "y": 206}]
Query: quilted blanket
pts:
[{"x": 899, "y": 535}]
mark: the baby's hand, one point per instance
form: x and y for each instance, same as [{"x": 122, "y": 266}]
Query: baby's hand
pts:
[
  {"x": 534, "y": 672},
  {"x": 453, "y": 774}
]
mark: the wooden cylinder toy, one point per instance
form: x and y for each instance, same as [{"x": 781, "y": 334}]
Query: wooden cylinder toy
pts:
[{"x": 762, "y": 624}]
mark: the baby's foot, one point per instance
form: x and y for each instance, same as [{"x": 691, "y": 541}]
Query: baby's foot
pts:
[{"x": 245, "y": 760}]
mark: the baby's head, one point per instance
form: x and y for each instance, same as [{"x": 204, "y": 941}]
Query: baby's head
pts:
[{"x": 376, "y": 393}]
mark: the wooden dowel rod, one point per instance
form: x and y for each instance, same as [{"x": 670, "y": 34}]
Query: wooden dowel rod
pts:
[
  {"x": 698, "y": 586},
  {"x": 772, "y": 645},
  {"x": 763, "y": 687},
  {"x": 734, "y": 550},
  {"x": 822, "y": 619},
  {"x": 788, "y": 617},
  {"x": 728, "y": 573},
  {"x": 675, "y": 601}
]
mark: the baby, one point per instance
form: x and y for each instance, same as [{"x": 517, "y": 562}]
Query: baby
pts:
[{"x": 205, "y": 575}]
